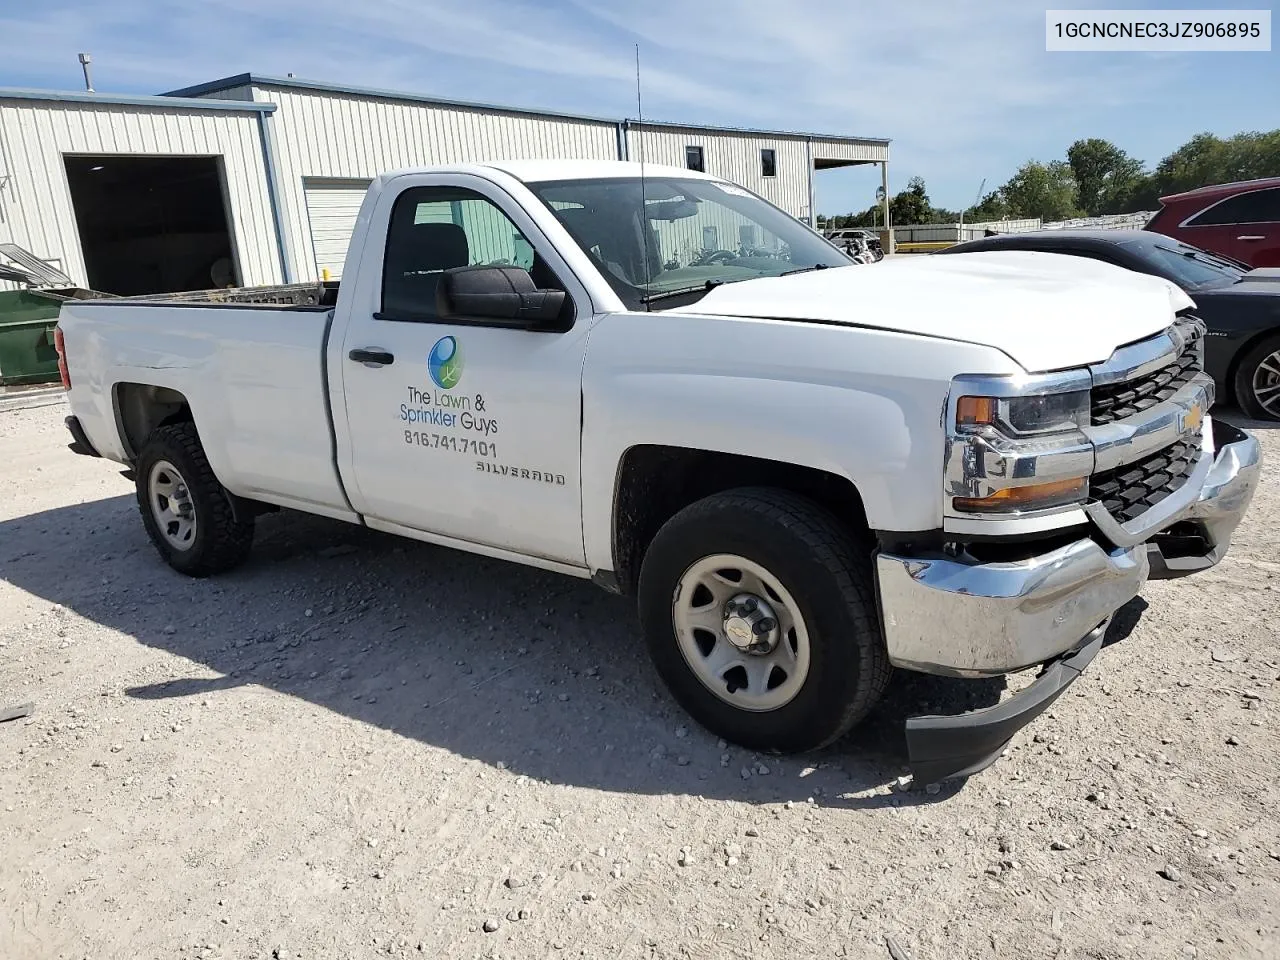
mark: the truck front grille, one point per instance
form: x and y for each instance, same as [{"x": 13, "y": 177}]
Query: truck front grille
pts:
[
  {"x": 1129, "y": 491},
  {"x": 1116, "y": 401}
]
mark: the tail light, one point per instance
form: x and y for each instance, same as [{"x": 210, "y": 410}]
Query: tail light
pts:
[{"x": 61, "y": 346}]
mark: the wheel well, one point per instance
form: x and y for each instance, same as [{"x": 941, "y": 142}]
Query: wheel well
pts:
[
  {"x": 141, "y": 407},
  {"x": 656, "y": 482},
  {"x": 1234, "y": 369}
]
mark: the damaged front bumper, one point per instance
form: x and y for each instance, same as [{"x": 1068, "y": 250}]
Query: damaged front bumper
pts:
[
  {"x": 956, "y": 616},
  {"x": 1200, "y": 539}
]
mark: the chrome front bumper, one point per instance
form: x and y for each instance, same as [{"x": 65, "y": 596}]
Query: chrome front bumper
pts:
[
  {"x": 1213, "y": 518},
  {"x": 957, "y": 617}
]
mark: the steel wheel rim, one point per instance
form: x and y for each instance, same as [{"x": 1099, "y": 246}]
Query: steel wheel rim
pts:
[
  {"x": 756, "y": 682},
  {"x": 1266, "y": 384},
  {"x": 171, "y": 505}
]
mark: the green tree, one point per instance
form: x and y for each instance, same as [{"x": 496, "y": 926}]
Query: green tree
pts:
[
  {"x": 1044, "y": 190},
  {"x": 1143, "y": 194},
  {"x": 1106, "y": 177},
  {"x": 1206, "y": 159},
  {"x": 911, "y": 205},
  {"x": 992, "y": 207},
  {"x": 1198, "y": 162}
]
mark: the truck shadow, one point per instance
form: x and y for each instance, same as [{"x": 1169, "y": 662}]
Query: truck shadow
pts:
[{"x": 488, "y": 660}]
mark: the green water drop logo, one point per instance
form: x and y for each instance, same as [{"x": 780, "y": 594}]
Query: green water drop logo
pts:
[{"x": 444, "y": 363}]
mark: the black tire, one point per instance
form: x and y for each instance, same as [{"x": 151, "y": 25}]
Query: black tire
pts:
[
  {"x": 220, "y": 541},
  {"x": 1244, "y": 385},
  {"x": 827, "y": 573}
]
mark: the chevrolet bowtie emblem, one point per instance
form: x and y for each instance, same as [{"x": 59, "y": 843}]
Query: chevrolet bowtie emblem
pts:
[{"x": 1192, "y": 418}]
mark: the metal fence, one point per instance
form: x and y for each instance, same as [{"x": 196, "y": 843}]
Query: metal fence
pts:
[
  {"x": 927, "y": 236},
  {"x": 1119, "y": 221}
]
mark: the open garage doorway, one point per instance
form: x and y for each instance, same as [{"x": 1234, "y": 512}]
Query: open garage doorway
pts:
[{"x": 152, "y": 224}]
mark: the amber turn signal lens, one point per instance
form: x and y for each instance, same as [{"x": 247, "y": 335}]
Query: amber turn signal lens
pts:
[
  {"x": 1035, "y": 496},
  {"x": 975, "y": 411}
]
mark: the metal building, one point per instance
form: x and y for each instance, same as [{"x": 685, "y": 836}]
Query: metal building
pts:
[
  {"x": 287, "y": 162},
  {"x": 157, "y": 193}
]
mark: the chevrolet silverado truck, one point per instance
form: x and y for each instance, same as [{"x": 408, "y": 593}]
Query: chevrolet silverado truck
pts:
[{"x": 807, "y": 474}]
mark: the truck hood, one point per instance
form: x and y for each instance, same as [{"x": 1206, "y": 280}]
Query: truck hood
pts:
[{"x": 1046, "y": 311}]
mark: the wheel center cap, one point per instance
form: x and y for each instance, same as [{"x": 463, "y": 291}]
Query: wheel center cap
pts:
[{"x": 750, "y": 624}]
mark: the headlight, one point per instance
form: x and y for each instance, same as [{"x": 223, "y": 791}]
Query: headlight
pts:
[
  {"x": 1024, "y": 416},
  {"x": 1018, "y": 445}
]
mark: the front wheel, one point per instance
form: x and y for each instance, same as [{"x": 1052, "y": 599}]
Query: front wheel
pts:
[
  {"x": 759, "y": 614},
  {"x": 185, "y": 509},
  {"x": 1258, "y": 380}
]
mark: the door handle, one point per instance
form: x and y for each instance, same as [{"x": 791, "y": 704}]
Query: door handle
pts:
[
  {"x": 372, "y": 357},
  {"x": 1251, "y": 237}
]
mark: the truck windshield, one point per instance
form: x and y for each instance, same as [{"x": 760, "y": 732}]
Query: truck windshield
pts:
[{"x": 694, "y": 235}]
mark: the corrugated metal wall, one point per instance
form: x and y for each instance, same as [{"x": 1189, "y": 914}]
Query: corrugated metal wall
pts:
[
  {"x": 329, "y": 135},
  {"x": 35, "y": 202},
  {"x": 734, "y": 156},
  {"x": 868, "y": 151}
]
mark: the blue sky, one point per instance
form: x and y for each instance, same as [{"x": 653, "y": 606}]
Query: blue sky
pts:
[{"x": 965, "y": 89}]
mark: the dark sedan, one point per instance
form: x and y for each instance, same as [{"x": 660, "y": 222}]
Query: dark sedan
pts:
[{"x": 1240, "y": 307}]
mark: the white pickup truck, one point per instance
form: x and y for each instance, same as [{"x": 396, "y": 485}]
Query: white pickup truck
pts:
[{"x": 807, "y": 473}]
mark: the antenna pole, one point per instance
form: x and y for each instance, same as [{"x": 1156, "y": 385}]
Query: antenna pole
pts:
[
  {"x": 85, "y": 60},
  {"x": 644, "y": 217}
]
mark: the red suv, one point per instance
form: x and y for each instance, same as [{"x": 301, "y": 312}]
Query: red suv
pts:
[{"x": 1238, "y": 220}]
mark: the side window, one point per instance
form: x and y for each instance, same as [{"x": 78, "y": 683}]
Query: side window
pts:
[
  {"x": 1259, "y": 206},
  {"x": 434, "y": 229},
  {"x": 768, "y": 163},
  {"x": 693, "y": 159}
]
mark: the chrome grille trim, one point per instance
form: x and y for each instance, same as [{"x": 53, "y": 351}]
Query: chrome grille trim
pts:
[
  {"x": 1149, "y": 383},
  {"x": 1148, "y": 405}
]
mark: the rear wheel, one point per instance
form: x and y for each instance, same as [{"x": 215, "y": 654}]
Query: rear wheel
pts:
[
  {"x": 760, "y": 616},
  {"x": 1258, "y": 380},
  {"x": 185, "y": 509}
]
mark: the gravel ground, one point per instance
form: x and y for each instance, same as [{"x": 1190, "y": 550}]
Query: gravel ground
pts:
[{"x": 358, "y": 745}]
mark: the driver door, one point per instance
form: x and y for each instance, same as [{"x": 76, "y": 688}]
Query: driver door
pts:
[{"x": 464, "y": 430}]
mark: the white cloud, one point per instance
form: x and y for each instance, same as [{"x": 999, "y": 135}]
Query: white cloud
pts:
[{"x": 952, "y": 83}]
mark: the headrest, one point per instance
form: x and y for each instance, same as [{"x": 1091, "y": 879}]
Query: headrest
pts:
[{"x": 429, "y": 247}]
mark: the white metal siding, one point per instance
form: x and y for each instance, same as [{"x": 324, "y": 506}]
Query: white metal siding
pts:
[
  {"x": 735, "y": 157},
  {"x": 35, "y": 201},
  {"x": 331, "y": 135},
  {"x": 332, "y": 208},
  {"x": 868, "y": 151}
]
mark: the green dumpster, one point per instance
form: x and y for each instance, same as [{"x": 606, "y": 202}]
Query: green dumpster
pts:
[{"x": 27, "y": 322}]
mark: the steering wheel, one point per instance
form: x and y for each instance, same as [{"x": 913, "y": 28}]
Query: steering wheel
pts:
[{"x": 718, "y": 256}]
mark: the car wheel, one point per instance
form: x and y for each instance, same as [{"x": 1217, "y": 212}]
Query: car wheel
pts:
[
  {"x": 760, "y": 616},
  {"x": 1257, "y": 383},
  {"x": 184, "y": 508}
]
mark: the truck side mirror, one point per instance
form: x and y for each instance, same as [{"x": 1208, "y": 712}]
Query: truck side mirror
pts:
[{"x": 497, "y": 293}]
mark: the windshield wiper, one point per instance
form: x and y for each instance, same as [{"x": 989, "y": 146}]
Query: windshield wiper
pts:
[
  {"x": 712, "y": 284},
  {"x": 685, "y": 291},
  {"x": 682, "y": 292},
  {"x": 816, "y": 266}
]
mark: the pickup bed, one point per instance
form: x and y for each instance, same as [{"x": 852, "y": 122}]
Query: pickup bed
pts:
[{"x": 807, "y": 472}]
